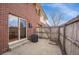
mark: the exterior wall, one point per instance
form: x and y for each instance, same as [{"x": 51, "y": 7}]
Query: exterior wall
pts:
[
  {"x": 3, "y": 29},
  {"x": 26, "y": 11},
  {"x": 33, "y": 17}
]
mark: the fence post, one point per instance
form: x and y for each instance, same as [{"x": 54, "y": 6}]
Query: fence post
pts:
[
  {"x": 58, "y": 34},
  {"x": 41, "y": 31},
  {"x": 59, "y": 42},
  {"x": 50, "y": 33},
  {"x": 64, "y": 38}
]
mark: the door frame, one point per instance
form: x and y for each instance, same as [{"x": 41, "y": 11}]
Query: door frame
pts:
[{"x": 18, "y": 28}]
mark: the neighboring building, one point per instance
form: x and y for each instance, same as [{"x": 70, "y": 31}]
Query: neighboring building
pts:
[
  {"x": 17, "y": 22},
  {"x": 41, "y": 13},
  {"x": 43, "y": 17}
]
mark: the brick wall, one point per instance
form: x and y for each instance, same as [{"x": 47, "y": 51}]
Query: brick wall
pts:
[
  {"x": 33, "y": 17},
  {"x": 26, "y": 11}
]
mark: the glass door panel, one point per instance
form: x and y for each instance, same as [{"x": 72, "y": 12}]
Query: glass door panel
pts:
[
  {"x": 13, "y": 28},
  {"x": 22, "y": 28}
]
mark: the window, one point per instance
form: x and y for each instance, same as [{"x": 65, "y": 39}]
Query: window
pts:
[
  {"x": 29, "y": 25},
  {"x": 36, "y": 10},
  {"x": 39, "y": 12}
]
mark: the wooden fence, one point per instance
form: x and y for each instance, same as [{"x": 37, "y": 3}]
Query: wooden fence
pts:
[
  {"x": 66, "y": 35},
  {"x": 69, "y": 38},
  {"x": 48, "y": 33}
]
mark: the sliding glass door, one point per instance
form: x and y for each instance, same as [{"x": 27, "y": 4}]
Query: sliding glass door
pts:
[{"x": 17, "y": 28}]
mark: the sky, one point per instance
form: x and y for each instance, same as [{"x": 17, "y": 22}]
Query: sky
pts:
[{"x": 67, "y": 11}]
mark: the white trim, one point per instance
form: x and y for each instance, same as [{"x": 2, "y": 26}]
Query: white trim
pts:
[
  {"x": 26, "y": 28},
  {"x": 8, "y": 28},
  {"x": 19, "y": 29}
]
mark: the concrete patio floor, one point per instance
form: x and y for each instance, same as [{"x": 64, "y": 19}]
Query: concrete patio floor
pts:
[{"x": 42, "y": 47}]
